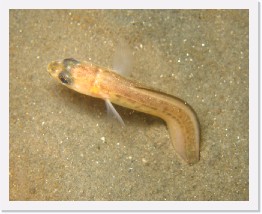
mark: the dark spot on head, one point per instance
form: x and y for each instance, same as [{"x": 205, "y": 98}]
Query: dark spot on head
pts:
[
  {"x": 65, "y": 77},
  {"x": 69, "y": 63}
]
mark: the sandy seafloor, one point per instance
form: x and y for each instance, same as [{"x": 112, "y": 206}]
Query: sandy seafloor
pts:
[{"x": 64, "y": 147}]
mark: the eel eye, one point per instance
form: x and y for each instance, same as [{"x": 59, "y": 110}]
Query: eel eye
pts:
[{"x": 65, "y": 77}]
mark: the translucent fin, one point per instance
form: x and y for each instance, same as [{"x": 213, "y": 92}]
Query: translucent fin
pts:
[
  {"x": 122, "y": 59},
  {"x": 112, "y": 111}
]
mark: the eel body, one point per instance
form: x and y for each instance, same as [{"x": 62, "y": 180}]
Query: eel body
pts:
[{"x": 99, "y": 82}]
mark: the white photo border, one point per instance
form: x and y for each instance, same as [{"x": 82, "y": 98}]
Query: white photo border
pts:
[{"x": 254, "y": 185}]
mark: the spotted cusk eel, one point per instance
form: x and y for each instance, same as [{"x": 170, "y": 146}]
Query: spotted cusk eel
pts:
[{"x": 90, "y": 79}]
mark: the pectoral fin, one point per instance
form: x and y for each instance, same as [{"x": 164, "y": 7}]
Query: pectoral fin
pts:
[
  {"x": 122, "y": 59},
  {"x": 112, "y": 112}
]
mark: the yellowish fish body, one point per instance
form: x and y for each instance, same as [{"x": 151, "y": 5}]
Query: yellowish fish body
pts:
[{"x": 103, "y": 83}]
